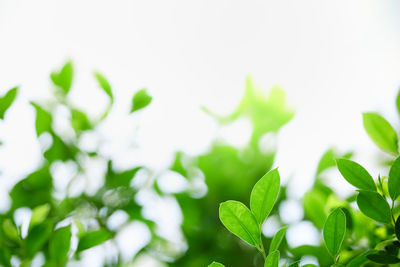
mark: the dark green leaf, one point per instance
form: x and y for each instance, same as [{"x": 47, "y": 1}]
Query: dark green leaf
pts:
[
  {"x": 59, "y": 244},
  {"x": 238, "y": 219},
  {"x": 92, "y": 239},
  {"x": 397, "y": 228},
  {"x": 140, "y": 100},
  {"x": 277, "y": 240},
  {"x": 334, "y": 231},
  {"x": 360, "y": 259},
  {"x": 7, "y": 100},
  {"x": 374, "y": 206},
  {"x": 394, "y": 179},
  {"x": 264, "y": 194},
  {"x": 63, "y": 78},
  {"x": 355, "y": 174},
  {"x": 37, "y": 237},
  {"x": 295, "y": 264},
  {"x": 272, "y": 259},
  {"x": 43, "y": 120},
  {"x": 381, "y": 132},
  {"x": 383, "y": 258},
  {"x": 105, "y": 85}
]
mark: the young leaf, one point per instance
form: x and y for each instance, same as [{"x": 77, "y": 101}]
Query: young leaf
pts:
[
  {"x": 360, "y": 259},
  {"x": 43, "y": 120},
  {"x": 277, "y": 240},
  {"x": 105, "y": 85},
  {"x": 7, "y": 100},
  {"x": 39, "y": 214},
  {"x": 272, "y": 259},
  {"x": 216, "y": 264},
  {"x": 10, "y": 230},
  {"x": 140, "y": 100},
  {"x": 63, "y": 78},
  {"x": 381, "y": 132},
  {"x": 383, "y": 257},
  {"x": 374, "y": 206},
  {"x": 355, "y": 174},
  {"x": 92, "y": 239},
  {"x": 238, "y": 219},
  {"x": 59, "y": 244},
  {"x": 334, "y": 231},
  {"x": 397, "y": 228},
  {"x": 264, "y": 194},
  {"x": 394, "y": 179}
]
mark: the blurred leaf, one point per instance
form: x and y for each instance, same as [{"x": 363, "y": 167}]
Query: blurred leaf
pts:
[
  {"x": 334, "y": 231},
  {"x": 394, "y": 179},
  {"x": 272, "y": 259},
  {"x": 105, "y": 85},
  {"x": 381, "y": 132},
  {"x": 216, "y": 264},
  {"x": 397, "y": 228},
  {"x": 264, "y": 194},
  {"x": 10, "y": 230},
  {"x": 294, "y": 264},
  {"x": 277, "y": 240},
  {"x": 314, "y": 208},
  {"x": 92, "y": 239},
  {"x": 238, "y": 219},
  {"x": 383, "y": 258},
  {"x": 59, "y": 150},
  {"x": 5, "y": 257},
  {"x": 328, "y": 160},
  {"x": 355, "y": 174},
  {"x": 117, "y": 179},
  {"x": 43, "y": 120},
  {"x": 7, "y": 100},
  {"x": 37, "y": 237},
  {"x": 60, "y": 244},
  {"x": 39, "y": 214},
  {"x": 140, "y": 100},
  {"x": 374, "y": 206},
  {"x": 63, "y": 78},
  {"x": 79, "y": 121},
  {"x": 360, "y": 259}
]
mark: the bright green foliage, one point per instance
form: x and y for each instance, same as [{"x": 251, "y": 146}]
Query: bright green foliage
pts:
[
  {"x": 374, "y": 206},
  {"x": 216, "y": 264},
  {"x": 239, "y": 220},
  {"x": 272, "y": 259},
  {"x": 334, "y": 231},
  {"x": 7, "y": 100},
  {"x": 94, "y": 238},
  {"x": 140, "y": 100},
  {"x": 10, "y": 230},
  {"x": 264, "y": 195},
  {"x": 394, "y": 179},
  {"x": 39, "y": 214},
  {"x": 104, "y": 84},
  {"x": 43, "y": 120},
  {"x": 63, "y": 78},
  {"x": 381, "y": 132},
  {"x": 360, "y": 259},
  {"x": 59, "y": 245},
  {"x": 277, "y": 240},
  {"x": 355, "y": 174}
]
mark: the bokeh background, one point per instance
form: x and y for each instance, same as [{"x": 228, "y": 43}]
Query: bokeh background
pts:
[{"x": 334, "y": 60}]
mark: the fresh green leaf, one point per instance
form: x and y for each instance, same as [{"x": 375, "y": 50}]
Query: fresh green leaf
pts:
[
  {"x": 140, "y": 100},
  {"x": 60, "y": 244},
  {"x": 92, "y": 239},
  {"x": 355, "y": 174},
  {"x": 334, "y": 231},
  {"x": 39, "y": 214},
  {"x": 79, "y": 121},
  {"x": 360, "y": 259},
  {"x": 104, "y": 84},
  {"x": 37, "y": 237},
  {"x": 374, "y": 206},
  {"x": 215, "y": 264},
  {"x": 277, "y": 240},
  {"x": 264, "y": 194},
  {"x": 383, "y": 257},
  {"x": 7, "y": 100},
  {"x": 314, "y": 208},
  {"x": 63, "y": 78},
  {"x": 10, "y": 230},
  {"x": 238, "y": 219},
  {"x": 272, "y": 259},
  {"x": 43, "y": 120},
  {"x": 381, "y": 132},
  {"x": 394, "y": 179}
]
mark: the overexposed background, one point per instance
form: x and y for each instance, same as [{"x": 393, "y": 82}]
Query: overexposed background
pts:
[{"x": 335, "y": 60}]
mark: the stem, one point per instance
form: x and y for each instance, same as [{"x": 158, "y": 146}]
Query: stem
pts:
[{"x": 262, "y": 250}]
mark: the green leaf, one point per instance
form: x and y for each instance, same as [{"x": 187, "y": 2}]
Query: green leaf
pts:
[
  {"x": 37, "y": 237},
  {"x": 63, "y": 78},
  {"x": 216, "y": 264},
  {"x": 238, "y": 219},
  {"x": 140, "y": 100},
  {"x": 43, "y": 119},
  {"x": 314, "y": 208},
  {"x": 334, "y": 231},
  {"x": 10, "y": 230},
  {"x": 394, "y": 179},
  {"x": 272, "y": 259},
  {"x": 264, "y": 194},
  {"x": 381, "y": 132},
  {"x": 355, "y": 174},
  {"x": 79, "y": 121},
  {"x": 383, "y": 257},
  {"x": 374, "y": 206},
  {"x": 105, "y": 85},
  {"x": 94, "y": 238},
  {"x": 60, "y": 244},
  {"x": 360, "y": 259},
  {"x": 39, "y": 214},
  {"x": 277, "y": 240},
  {"x": 7, "y": 100},
  {"x": 397, "y": 228},
  {"x": 295, "y": 264},
  {"x": 398, "y": 102}
]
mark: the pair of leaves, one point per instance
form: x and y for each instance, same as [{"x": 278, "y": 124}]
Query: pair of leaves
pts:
[
  {"x": 334, "y": 231},
  {"x": 7, "y": 100},
  {"x": 246, "y": 224},
  {"x": 381, "y": 132}
]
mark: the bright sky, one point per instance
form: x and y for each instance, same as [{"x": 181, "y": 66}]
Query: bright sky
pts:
[{"x": 335, "y": 59}]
